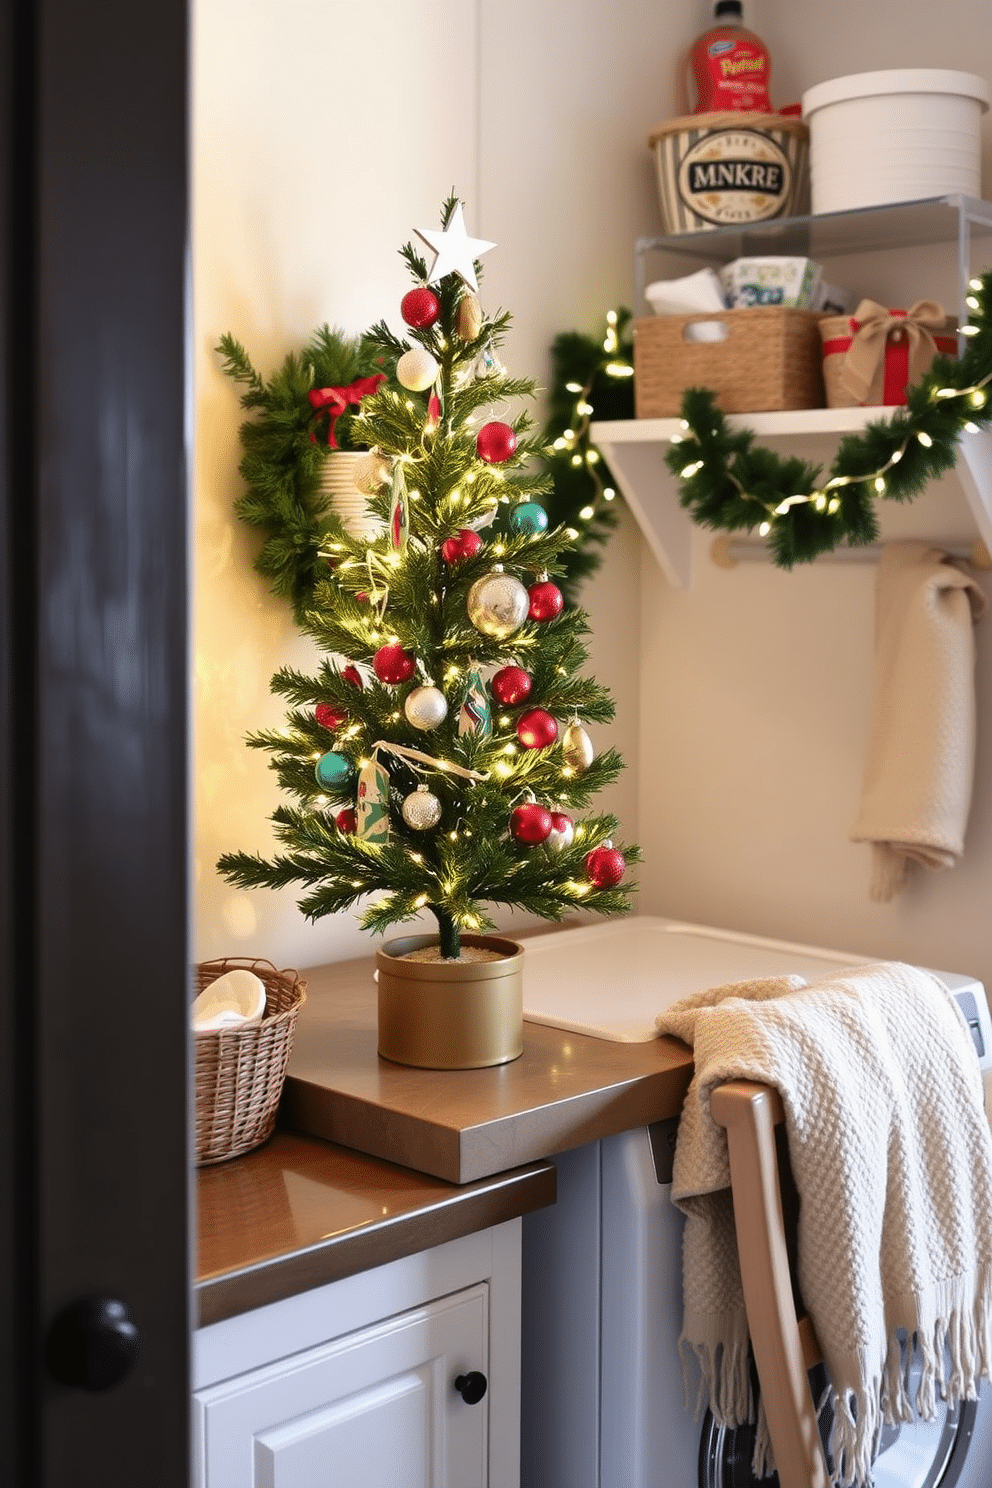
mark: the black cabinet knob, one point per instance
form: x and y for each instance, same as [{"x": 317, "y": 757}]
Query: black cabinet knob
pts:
[
  {"x": 92, "y": 1345},
  {"x": 471, "y": 1387}
]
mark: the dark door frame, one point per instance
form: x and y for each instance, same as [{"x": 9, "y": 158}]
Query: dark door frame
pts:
[{"x": 94, "y": 323}]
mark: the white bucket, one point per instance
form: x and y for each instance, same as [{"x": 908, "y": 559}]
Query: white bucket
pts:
[
  {"x": 899, "y": 135},
  {"x": 337, "y": 480}
]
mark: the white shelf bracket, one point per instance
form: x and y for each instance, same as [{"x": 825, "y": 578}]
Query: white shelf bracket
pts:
[
  {"x": 650, "y": 490},
  {"x": 974, "y": 467}
]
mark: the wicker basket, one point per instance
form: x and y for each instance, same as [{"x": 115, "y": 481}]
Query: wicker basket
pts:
[
  {"x": 770, "y": 359},
  {"x": 240, "y": 1071}
]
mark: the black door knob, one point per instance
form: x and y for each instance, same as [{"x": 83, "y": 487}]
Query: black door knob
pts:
[
  {"x": 93, "y": 1344},
  {"x": 471, "y": 1387}
]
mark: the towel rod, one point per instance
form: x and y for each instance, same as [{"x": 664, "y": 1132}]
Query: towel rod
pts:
[{"x": 728, "y": 553}]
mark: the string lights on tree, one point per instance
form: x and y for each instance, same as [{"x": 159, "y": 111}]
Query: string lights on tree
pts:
[
  {"x": 438, "y": 759},
  {"x": 731, "y": 484}
]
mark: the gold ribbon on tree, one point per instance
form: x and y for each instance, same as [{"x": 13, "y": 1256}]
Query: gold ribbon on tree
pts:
[{"x": 873, "y": 326}]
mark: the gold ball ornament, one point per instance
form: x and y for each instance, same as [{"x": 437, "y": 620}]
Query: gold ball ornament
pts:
[
  {"x": 425, "y": 707},
  {"x": 372, "y": 472},
  {"x": 576, "y": 748},
  {"x": 498, "y": 604},
  {"x": 422, "y": 809},
  {"x": 469, "y": 322},
  {"x": 416, "y": 369}
]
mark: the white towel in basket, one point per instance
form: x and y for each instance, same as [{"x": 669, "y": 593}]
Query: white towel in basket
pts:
[
  {"x": 892, "y": 1158},
  {"x": 920, "y": 762}
]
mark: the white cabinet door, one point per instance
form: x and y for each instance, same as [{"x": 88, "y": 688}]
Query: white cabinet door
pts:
[{"x": 374, "y": 1409}]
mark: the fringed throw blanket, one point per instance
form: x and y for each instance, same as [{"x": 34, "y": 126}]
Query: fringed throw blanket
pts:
[{"x": 892, "y": 1158}]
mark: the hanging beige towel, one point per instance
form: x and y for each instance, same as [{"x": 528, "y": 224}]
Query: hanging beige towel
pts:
[
  {"x": 892, "y": 1156},
  {"x": 920, "y": 763}
]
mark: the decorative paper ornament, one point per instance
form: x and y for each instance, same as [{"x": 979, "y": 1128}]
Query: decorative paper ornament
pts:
[
  {"x": 511, "y": 686},
  {"x": 562, "y": 832},
  {"x": 333, "y": 771},
  {"x": 346, "y": 821},
  {"x": 420, "y": 308},
  {"x": 373, "y": 803},
  {"x": 605, "y": 866},
  {"x": 495, "y": 443},
  {"x": 577, "y": 748},
  {"x": 497, "y": 604},
  {"x": 454, "y": 250},
  {"x": 416, "y": 369},
  {"x": 464, "y": 544},
  {"x": 399, "y": 511},
  {"x": 422, "y": 809},
  {"x": 353, "y": 675},
  {"x": 530, "y": 823},
  {"x": 487, "y": 364},
  {"x": 393, "y": 665},
  {"x": 469, "y": 321},
  {"x": 371, "y": 472},
  {"x": 528, "y": 518},
  {"x": 328, "y": 716},
  {"x": 546, "y": 601},
  {"x": 475, "y": 716},
  {"x": 425, "y": 707},
  {"x": 536, "y": 729}
]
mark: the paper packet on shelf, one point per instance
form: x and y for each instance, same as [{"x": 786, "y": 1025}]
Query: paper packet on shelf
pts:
[
  {"x": 792, "y": 282},
  {"x": 702, "y": 291}
]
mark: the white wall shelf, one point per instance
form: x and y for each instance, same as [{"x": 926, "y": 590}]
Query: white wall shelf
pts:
[{"x": 635, "y": 451}]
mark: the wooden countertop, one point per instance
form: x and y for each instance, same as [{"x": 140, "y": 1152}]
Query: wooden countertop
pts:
[
  {"x": 299, "y": 1212},
  {"x": 566, "y": 1089}
]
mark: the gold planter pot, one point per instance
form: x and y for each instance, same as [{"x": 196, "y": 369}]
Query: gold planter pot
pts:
[{"x": 450, "y": 1014}]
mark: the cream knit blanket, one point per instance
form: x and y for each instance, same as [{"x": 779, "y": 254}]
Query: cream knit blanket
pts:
[
  {"x": 920, "y": 761},
  {"x": 892, "y": 1157}
]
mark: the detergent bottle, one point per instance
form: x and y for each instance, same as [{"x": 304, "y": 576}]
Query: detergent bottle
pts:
[{"x": 730, "y": 66}]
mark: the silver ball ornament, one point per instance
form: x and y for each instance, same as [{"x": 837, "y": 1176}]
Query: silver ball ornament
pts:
[
  {"x": 425, "y": 707},
  {"x": 422, "y": 809},
  {"x": 498, "y": 604},
  {"x": 416, "y": 369},
  {"x": 372, "y": 472},
  {"x": 562, "y": 832}
]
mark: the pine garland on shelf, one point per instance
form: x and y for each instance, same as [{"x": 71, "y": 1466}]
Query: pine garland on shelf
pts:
[{"x": 731, "y": 484}]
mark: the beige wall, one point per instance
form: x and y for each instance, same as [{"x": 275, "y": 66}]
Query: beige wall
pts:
[{"x": 322, "y": 134}]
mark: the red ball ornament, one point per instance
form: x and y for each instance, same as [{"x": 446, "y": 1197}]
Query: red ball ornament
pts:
[
  {"x": 420, "y": 308},
  {"x": 495, "y": 443},
  {"x": 328, "y": 716},
  {"x": 605, "y": 866},
  {"x": 546, "y": 601},
  {"x": 530, "y": 823},
  {"x": 464, "y": 544},
  {"x": 536, "y": 729},
  {"x": 353, "y": 675},
  {"x": 394, "y": 665},
  {"x": 511, "y": 686},
  {"x": 346, "y": 820}
]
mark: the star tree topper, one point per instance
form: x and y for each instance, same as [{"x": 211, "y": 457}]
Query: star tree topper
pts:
[{"x": 454, "y": 250}]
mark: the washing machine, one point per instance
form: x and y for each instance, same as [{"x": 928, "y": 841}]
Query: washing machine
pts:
[{"x": 603, "y": 1392}]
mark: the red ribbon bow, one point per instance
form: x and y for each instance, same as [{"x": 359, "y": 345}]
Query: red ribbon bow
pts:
[{"x": 336, "y": 399}]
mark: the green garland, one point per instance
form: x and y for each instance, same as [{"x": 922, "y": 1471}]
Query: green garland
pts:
[
  {"x": 729, "y": 483},
  {"x": 590, "y": 376},
  {"x": 285, "y": 444}
]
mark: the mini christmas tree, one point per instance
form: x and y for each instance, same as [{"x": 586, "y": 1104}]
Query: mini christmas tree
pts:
[{"x": 439, "y": 756}]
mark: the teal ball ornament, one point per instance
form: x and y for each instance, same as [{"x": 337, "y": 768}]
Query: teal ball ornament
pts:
[
  {"x": 528, "y": 519},
  {"x": 333, "y": 771}
]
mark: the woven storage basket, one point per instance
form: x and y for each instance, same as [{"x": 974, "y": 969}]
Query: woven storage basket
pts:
[
  {"x": 240, "y": 1071},
  {"x": 771, "y": 359}
]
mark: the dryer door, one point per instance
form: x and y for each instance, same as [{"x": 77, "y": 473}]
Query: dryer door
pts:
[{"x": 951, "y": 1451}]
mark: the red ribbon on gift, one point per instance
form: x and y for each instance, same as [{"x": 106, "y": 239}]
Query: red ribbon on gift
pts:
[{"x": 336, "y": 399}]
